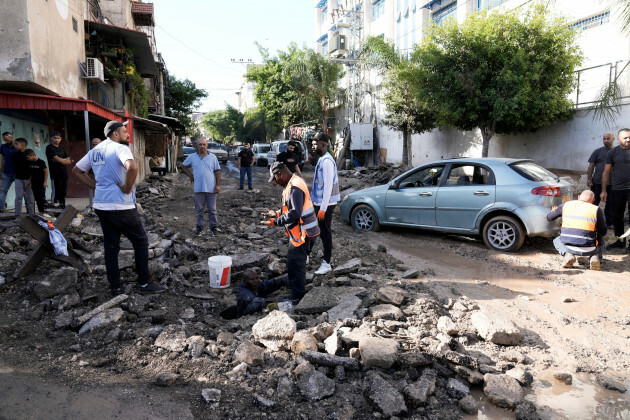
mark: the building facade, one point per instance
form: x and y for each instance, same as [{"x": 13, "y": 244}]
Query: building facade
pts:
[{"x": 605, "y": 47}]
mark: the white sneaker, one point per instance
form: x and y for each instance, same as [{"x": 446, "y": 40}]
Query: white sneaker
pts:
[
  {"x": 307, "y": 259},
  {"x": 324, "y": 268}
]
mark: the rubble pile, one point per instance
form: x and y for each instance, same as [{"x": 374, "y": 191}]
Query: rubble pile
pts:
[
  {"x": 367, "y": 340},
  {"x": 374, "y": 175}
]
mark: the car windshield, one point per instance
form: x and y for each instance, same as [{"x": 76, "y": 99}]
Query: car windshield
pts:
[
  {"x": 214, "y": 146},
  {"x": 188, "y": 150},
  {"x": 533, "y": 172},
  {"x": 263, "y": 149}
]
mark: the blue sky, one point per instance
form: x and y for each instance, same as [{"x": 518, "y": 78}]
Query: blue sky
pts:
[{"x": 198, "y": 38}]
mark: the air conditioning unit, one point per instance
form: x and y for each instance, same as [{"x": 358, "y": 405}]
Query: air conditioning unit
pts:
[
  {"x": 93, "y": 69},
  {"x": 337, "y": 46}
]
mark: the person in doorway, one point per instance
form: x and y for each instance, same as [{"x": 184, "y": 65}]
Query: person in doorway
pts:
[
  {"x": 596, "y": 164},
  {"x": 246, "y": 160},
  {"x": 618, "y": 168},
  {"x": 22, "y": 169},
  {"x": 6, "y": 167},
  {"x": 39, "y": 178},
  {"x": 325, "y": 196},
  {"x": 206, "y": 178},
  {"x": 298, "y": 217},
  {"x": 57, "y": 161},
  {"x": 156, "y": 166},
  {"x": 115, "y": 205},
  {"x": 583, "y": 230},
  {"x": 291, "y": 157},
  {"x": 251, "y": 293}
]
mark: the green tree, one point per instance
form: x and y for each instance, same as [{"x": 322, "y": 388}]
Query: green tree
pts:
[
  {"x": 255, "y": 126},
  {"x": 224, "y": 123},
  {"x": 498, "y": 72},
  {"x": 405, "y": 110},
  {"x": 295, "y": 86},
  {"x": 181, "y": 98}
]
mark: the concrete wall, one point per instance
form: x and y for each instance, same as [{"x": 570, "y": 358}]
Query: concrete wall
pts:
[
  {"x": 118, "y": 12},
  {"x": 565, "y": 145},
  {"x": 30, "y": 131},
  {"x": 56, "y": 48},
  {"x": 15, "y": 50}
]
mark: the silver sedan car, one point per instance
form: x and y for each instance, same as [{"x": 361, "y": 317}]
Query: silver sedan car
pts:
[{"x": 503, "y": 200}]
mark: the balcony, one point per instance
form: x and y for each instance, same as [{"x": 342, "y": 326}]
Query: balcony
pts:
[{"x": 142, "y": 13}]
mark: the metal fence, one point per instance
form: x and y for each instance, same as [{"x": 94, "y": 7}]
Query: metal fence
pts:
[{"x": 592, "y": 80}]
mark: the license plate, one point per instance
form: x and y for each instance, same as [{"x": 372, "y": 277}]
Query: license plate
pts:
[{"x": 566, "y": 198}]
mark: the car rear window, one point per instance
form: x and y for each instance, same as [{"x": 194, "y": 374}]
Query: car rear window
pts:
[
  {"x": 189, "y": 150},
  {"x": 533, "y": 172}
]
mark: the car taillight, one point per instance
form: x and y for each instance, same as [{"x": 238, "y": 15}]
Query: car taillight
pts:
[{"x": 548, "y": 191}]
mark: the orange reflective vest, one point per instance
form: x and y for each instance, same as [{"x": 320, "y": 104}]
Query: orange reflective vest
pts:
[
  {"x": 579, "y": 222},
  {"x": 307, "y": 226}
]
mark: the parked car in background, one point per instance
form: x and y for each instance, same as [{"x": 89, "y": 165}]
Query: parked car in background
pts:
[
  {"x": 237, "y": 151},
  {"x": 186, "y": 151},
  {"x": 219, "y": 151},
  {"x": 503, "y": 200},
  {"x": 280, "y": 146},
  {"x": 260, "y": 153}
]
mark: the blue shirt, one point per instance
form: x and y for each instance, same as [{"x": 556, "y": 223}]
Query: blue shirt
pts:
[
  {"x": 7, "y": 152},
  {"x": 203, "y": 171}
]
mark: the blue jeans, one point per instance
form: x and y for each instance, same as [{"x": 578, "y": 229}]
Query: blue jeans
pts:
[
  {"x": 562, "y": 249},
  {"x": 246, "y": 170},
  {"x": 202, "y": 201},
  {"x": 7, "y": 181}
]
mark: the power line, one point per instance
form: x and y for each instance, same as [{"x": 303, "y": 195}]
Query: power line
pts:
[{"x": 195, "y": 51}]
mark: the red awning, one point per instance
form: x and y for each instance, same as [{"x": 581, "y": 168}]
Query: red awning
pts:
[{"x": 17, "y": 100}]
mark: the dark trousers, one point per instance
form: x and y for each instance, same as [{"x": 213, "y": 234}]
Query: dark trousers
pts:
[
  {"x": 296, "y": 267},
  {"x": 621, "y": 200},
  {"x": 160, "y": 171},
  {"x": 40, "y": 196},
  {"x": 124, "y": 222},
  {"x": 60, "y": 185},
  {"x": 246, "y": 170},
  {"x": 608, "y": 209},
  {"x": 325, "y": 231}
]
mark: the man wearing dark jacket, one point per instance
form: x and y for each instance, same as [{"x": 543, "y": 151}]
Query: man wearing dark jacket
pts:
[
  {"x": 251, "y": 293},
  {"x": 583, "y": 230}
]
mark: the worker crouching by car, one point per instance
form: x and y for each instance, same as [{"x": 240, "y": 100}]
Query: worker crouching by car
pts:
[
  {"x": 583, "y": 230},
  {"x": 299, "y": 219}
]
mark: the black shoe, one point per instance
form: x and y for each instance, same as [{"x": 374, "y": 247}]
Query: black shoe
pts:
[
  {"x": 199, "y": 231},
  {"x": 240, "y": 188},
  {"x": 116, "y": 291},
  {"x": 616, "y": 244},
  {"x": 251, "y": 188},
  {"x": 214, "y": 231},
  {"x": 150, "y": 288}
]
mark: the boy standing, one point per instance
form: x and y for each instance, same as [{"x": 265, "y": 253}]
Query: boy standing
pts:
[
  {"x": 22, "y": 178},
  {"x": 39, "y": 178}
]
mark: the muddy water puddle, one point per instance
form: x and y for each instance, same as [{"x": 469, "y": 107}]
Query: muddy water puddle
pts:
[{"x": 585, "y": 399}]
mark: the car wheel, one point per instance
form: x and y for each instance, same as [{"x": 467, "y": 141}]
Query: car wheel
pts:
[
  {"x": 503, "y": 233},
  {"x": 364, "y": 218}
]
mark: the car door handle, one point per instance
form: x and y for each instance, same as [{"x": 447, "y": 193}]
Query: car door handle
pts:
[
  {"x": 482, "y": 193},
  {"x": 425, "y": 194}
]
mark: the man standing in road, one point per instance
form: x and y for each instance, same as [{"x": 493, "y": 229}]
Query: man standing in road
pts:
[
  {"x": 325, "y": 195},
  {"x": 115, "y": 204},
  {"x": 206, "y": 177},
  {"x": 6, "y": 167},
  {"x": 583, "y": 229},
  {"x": 596, "y": 164},
  {"x": 57, "y": 161},
  {"x": 298, "y": 218},
  {"x": 291, "y": 157},
  {"x": 618, "y": 166},
  {"x": 246, "y": 160}
]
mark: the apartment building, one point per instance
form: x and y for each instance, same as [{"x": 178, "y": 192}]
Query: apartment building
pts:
[{"x": 605, "y": 47}]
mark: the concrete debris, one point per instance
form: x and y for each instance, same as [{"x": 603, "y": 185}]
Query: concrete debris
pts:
[
  {"x": 565, "y": 377},
  {"x": 496, "y": 330},
  {"x": 323, "y": 298},
  {"x": 102, "y": 320},
  {"x": 172, "y": 340},
  {"x": 315, "y": 386},
  {"x": 166, "y": 379},
  {"x": 385, "y": 397},
  {"x": 212, "y": 396},
  {"x": 391, "y": 294},
  {"x": 351, "y": 266},
  {"x": 303, "y": 340},
  {"x": 249, "y": 353},
  {"x": 386, "y": 311},
  {"x": 469, "y": 405},
  {"x": 378, "y": 352},
  {"x": 345, "y": 309},
  {"x": 275, "y": 331},
  {"x": 56, "y": 283},
  {"x": 456, "y": 389},
  {"x": 503, "y": 390},
  {"x": 446, "y": 325},
  {"x": 112, "y": 302}
]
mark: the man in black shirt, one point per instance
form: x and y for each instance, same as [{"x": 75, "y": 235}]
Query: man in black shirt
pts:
[
  {"x": 596, "y": 164},
  {"x": 291, "y": 157},
  {"x": 57, "y": 161},
  {"x": 39, "y": 178},
  {"x": 22, "y": 179},
  {"x": 246, "y": 160},
  {"x": 618, "y": 165}
]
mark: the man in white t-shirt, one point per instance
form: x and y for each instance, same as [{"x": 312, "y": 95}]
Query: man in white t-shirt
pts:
[{"x": 115, "y": 204}]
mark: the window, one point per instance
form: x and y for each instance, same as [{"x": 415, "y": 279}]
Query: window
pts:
[
  {"x": 445, "y": 12},
  {"x": 323, "y": 15},
  {"x": 75, "y": 25},
  {"x": 325, "y": 48},
  {"x": 533, "y": 172},
  {"x": 425, "y": 177},
  {"x": 469, "y": 175},
  {"x": 489, "y": 4},
  {"x": 378, "y": 9},
  {"x": 592, "y": 22}
]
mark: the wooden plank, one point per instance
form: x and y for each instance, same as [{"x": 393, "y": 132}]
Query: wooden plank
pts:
[{"x": 32, "y": 262}]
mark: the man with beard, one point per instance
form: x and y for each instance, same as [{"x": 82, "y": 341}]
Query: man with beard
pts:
[
  {"x": 325, "y": 196},
  {"x": 57, "y": 161},
  {"x": 291, "y": 157}
]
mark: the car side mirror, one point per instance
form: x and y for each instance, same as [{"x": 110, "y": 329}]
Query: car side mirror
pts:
[{"x": 394, "y": 185}]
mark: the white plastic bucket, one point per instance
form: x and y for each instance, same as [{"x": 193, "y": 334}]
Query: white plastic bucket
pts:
[{"x": 220, "y": 270}]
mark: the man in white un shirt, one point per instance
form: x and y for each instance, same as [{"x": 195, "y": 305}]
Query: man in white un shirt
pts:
[{"x": 115, "y": 204}]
